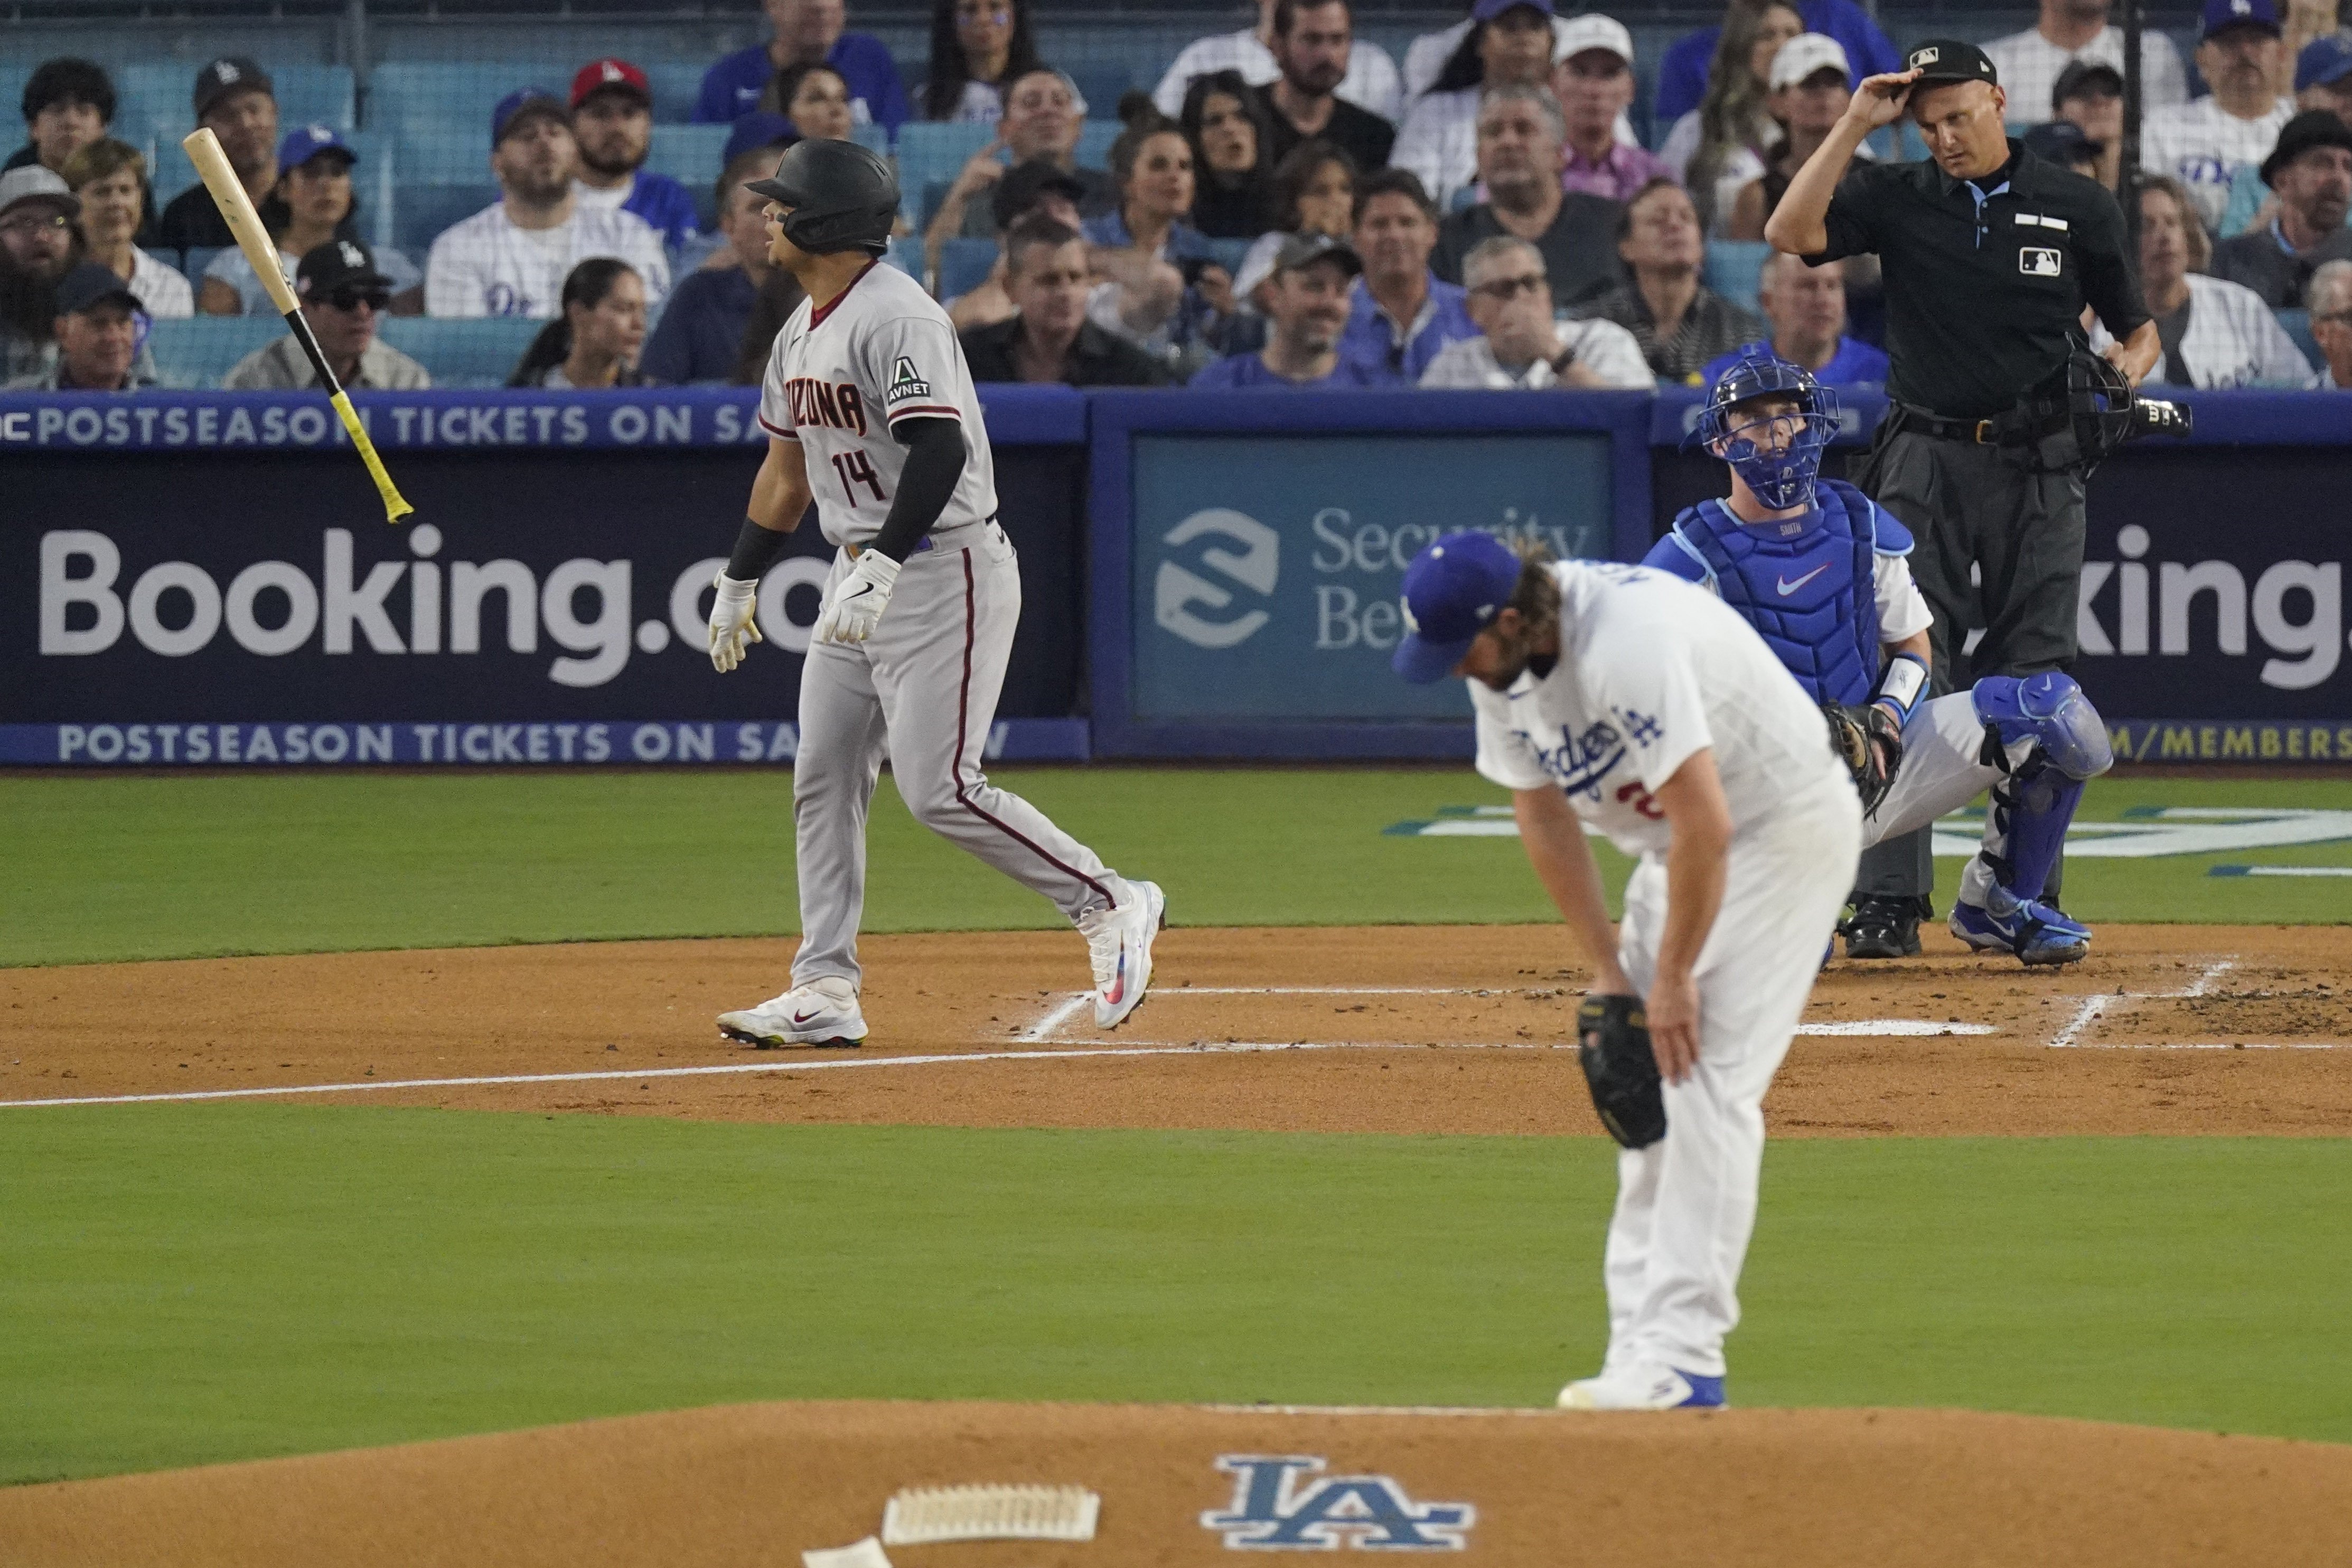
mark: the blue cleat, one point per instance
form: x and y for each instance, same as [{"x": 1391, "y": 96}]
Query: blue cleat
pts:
[
  {"x": 2036, "y": 933},
  {"x": 1644, "y": 1387}
]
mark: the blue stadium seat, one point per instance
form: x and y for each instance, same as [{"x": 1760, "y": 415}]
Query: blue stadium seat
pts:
[
  {"x": 426, "y": 209},
  {"x": 1733, "y": 267},
  {"x": 2298, "y": 326},
  {"x": 906, "y": 256},
  {"x": 443, "y": 157},
  {"x": 463, "y": 353},
  {"x": 873, "y": 138},
  {"x": 676, "y": 85},
  {"x": 450, "y": 98},
  {"x": 192, "y": 262},
  {"x": 1227, "y": 253},
  {"x": 194, "y": 352},
  {"x": 1094, "y": 143},
  {"x": 158, "y": 91},
  {"x": 690, "y": 154},
  {"x": 1101, "y": 82},
  {"x": 964, "y": 265}
]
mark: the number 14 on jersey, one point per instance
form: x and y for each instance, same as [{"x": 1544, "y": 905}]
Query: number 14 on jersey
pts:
[{"x": 856, "y": 468}]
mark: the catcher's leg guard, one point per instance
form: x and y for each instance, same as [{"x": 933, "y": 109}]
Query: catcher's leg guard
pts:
[{"x": 2044, "y": 734}]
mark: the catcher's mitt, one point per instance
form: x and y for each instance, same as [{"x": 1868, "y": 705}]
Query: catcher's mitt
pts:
[
  {"x": 1612, "y": 1045},
  {"x": 1869, "y": 741}
]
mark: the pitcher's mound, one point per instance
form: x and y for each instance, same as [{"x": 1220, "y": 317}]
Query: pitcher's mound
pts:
[{"x": 761, "y": 1484}]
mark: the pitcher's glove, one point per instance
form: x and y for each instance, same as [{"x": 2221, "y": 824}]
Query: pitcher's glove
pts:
[
  {"x": 1869, "y": 740},
  {"x": 1612, "y": 1046}
]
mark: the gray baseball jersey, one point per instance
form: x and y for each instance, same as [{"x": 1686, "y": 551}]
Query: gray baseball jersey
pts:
[{"x": 838, "y": 378}]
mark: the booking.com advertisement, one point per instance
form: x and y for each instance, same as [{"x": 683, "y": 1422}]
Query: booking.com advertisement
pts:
[{"x": 1266, "y": 570}]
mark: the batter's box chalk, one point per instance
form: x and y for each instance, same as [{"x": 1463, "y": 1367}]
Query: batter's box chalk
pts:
[{"x": 921, "y": 1515}]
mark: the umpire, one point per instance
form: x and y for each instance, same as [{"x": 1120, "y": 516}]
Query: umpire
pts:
[{"x": 1989, "y": 253}]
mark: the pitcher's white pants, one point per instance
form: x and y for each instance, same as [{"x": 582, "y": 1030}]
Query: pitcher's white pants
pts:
[
  {"x": 1686, "y": 1205},
  {"x": 921, "y": 691}
]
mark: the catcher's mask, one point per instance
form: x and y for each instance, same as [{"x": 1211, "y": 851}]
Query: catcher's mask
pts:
[
  {"x": 2100, "y": 412},
  {"x": 1778, "y": 455}
]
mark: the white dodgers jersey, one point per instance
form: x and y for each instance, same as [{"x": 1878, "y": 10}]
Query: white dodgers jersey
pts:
[
  {"x": 1653, "y": 669},
  {"x": 840, "y": 377}
]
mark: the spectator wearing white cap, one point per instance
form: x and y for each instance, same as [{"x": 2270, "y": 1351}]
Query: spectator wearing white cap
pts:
[
  {"x": 1595, "y": 83},
  {"x": 2213, "y": 332},
  {"x": 1812, "y": 85},
  {"x": 313, "y": 201},
  {"x": 2030, "y": 63},
  {"x": 1369, "y": 82},
  {"x": 2204, "y": 143},
  {"x": 613, "y": 118},
  {"x": 511, "y": 259},
  {"x": 1521, "y": 344},
  {"x": 1509, "y": 43},
  {"x": 2330, "y": 295},
  {"x": 39, "y": 246}
]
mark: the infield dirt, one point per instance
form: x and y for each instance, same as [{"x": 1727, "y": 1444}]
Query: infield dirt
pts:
[{"x": 1381, "y": 1028}]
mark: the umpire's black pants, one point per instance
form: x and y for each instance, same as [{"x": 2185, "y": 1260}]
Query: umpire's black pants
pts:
[{"x": 1978, "y": 512}]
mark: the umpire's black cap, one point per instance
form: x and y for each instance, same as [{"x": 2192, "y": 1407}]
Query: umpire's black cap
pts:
[
  {"x": 842, "y": 196},
  {"x": 1940, "y": 60}
]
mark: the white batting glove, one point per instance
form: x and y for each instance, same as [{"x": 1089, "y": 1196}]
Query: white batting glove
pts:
[
  {"x": 733, "y": 623},
  {"x": 856, "y": 603}
]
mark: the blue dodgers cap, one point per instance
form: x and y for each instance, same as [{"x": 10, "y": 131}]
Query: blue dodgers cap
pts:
[
  {"x": 2323, "y": 61},
  {"x": 522, "y": 105},
  {"x": 1487, "y": 10},
  {"x": 302, "y": 145},
  {"x": 2221, "y": 15},
  {"x": 1452, "y": 591},
  {"x": 755, "y": 132}
]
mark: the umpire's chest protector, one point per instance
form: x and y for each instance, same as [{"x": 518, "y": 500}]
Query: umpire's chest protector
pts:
[{"x": 1812, "y": 594}]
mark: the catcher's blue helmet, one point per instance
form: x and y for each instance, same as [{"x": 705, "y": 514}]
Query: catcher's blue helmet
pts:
[{"x": 1781, "y": 471}]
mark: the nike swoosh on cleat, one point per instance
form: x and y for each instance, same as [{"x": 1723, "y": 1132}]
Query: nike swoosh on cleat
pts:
[
  {"x": 804, "y": 1018},
  {"x": 1788, "y": 588},
  {"x": 1118, "y": 984}
]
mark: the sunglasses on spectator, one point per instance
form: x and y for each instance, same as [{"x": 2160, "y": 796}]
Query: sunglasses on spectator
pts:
[
  {"x": 375, "y": 300},
  {"x": 1503, "y": 291},
  {"x": 35, "y": 223}
]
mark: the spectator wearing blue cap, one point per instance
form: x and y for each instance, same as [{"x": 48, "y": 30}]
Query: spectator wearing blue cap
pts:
[
  {"x": 511, "y": 257},
  {"x": 2204, "y": 143},
  {"x": 1683, "y": 69},
  {"x": 234, "y": 99},
  {"x": 613, "y": 117},
  {"x": 98, "y": 329},
  {"x": 312, "y": 202},
  {"x": 1509, "y": 43},
  {"x": 700, "y": 335},
  {"x": 2323, "y": 80},
  {"x": 807, "y": 32}
]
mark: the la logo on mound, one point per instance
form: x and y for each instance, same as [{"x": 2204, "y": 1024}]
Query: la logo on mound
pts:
[
  {"x": 1278, "y": 1507},
  {"x": 1177, "y": 589}
]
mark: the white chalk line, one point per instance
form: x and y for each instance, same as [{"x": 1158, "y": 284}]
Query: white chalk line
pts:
[
  {"x": 1045, "y": 1027},
  {"x": 2093, "y": 1007}
]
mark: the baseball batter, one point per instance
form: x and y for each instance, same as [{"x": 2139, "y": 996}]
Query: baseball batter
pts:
[
  {"x": 1624, "y": 697},
  {"x": 1820, "y": 571},
  {"x": 870, "y": 412}
]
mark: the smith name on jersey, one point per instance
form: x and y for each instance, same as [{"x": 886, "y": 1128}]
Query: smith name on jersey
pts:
[{"x": 882, "y": 351}]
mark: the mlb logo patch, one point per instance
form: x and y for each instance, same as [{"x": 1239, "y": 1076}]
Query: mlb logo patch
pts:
[
  {"x": 2037, "y": 263},
  {"x": 1926, "y": 58}
]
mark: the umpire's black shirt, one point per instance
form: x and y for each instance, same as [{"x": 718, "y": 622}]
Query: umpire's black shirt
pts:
[{"x": 1982, "y": 309}]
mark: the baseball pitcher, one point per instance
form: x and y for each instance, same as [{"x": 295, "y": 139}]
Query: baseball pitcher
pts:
[
  {"x": 870, "y": 412},
  {"x": 1820, "y": 571},
  {"x": 1624, "y": 697}
]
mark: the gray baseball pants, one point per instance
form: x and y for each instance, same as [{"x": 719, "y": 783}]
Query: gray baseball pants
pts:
[{"x": 920, "y": 693}]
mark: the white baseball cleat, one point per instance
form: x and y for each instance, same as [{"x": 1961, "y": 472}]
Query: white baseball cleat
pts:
[
  {"x": 823, "y": 1012},
  {"x": 1644, "y": 1386},
  {"x": 1119, "y": 940}
]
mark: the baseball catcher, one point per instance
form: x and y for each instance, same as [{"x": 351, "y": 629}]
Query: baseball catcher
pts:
[{"x": 1819, "y": 569}]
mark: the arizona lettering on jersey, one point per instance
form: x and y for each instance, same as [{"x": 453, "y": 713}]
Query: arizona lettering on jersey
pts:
[{"x": 837, "y": 379}]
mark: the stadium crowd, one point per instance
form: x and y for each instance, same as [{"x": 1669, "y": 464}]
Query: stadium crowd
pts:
[{"x": 1289, "y": 207}]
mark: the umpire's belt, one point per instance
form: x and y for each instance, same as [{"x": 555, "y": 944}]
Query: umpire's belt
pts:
[{"x": 2020, "y": 426}]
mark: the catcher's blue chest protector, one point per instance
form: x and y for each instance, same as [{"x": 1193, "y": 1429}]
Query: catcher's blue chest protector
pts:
[{"x": 1813, "y": 594}]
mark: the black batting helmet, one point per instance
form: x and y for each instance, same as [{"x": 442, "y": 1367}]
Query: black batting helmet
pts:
[{"x": 842, "y": 197}]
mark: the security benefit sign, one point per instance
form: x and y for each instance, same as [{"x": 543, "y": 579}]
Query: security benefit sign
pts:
[
  {"x": 2211, "y": 615},
  {"x": 1267, "y": 569}
]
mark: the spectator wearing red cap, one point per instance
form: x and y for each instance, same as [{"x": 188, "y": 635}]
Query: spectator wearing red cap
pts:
[
  {"x": 807, "y": 32},
  {"x": 612, "y": 119}
]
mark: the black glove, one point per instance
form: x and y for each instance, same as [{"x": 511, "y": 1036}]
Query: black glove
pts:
[
  {"x": 1612, "y": 1046},
  {"x": 1869, "y": 740}
]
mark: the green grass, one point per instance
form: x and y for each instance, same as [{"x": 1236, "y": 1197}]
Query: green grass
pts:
[
  {"x": 141, "y": 867},
  {"x": 192, "y": 1284}
]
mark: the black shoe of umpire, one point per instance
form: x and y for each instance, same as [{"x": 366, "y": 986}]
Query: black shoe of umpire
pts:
[{"x": 1882, "y": 927}]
